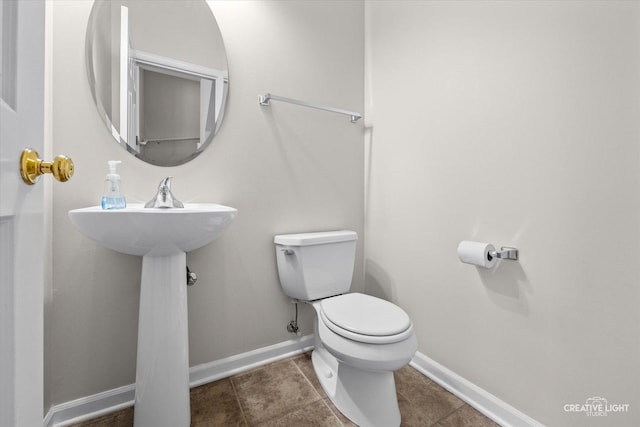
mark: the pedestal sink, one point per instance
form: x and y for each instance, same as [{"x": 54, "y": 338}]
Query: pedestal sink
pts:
[{"x": 162, "y": 237}]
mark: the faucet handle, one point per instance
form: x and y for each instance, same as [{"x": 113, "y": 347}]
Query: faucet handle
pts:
[
  {"x": 165, "y": 184},
  {"x": 164, "y": 198}
]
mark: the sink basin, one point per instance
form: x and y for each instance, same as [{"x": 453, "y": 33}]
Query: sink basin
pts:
[
  {"x": 162, "y": 237},
  {"x": 141, "y": 231}
]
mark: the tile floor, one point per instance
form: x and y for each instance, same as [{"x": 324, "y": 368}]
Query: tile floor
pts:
[{"x": 287, "y": 393}]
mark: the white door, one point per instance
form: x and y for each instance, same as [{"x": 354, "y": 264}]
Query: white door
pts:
[{"x": 22, "y": 29}]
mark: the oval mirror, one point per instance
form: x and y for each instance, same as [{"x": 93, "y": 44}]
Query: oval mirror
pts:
[{"x": 158, "y": 74}]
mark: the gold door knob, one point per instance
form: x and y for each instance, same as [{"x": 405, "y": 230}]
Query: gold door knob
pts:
[{"x": 31, "y": 167}]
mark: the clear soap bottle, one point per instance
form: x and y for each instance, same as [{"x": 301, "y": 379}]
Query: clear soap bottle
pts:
[{"x": 112, "y": 197}]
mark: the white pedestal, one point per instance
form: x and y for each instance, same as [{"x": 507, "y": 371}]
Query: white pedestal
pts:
[{"x": 162, "y": 370}]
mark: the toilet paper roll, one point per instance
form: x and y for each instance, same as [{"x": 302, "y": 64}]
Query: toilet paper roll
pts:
[{"x": 476, "y": 253}]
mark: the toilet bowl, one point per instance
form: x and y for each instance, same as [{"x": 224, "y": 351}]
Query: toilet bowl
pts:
[{"x": 359, "y": 339}]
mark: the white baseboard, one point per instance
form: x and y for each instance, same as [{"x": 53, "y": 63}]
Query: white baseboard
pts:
[
  {"x": 109, "y": 401},
  {"x": 89, "y": 407},
  {"x": 486, "y": 403},
  {"x": 208, "y": 372}
]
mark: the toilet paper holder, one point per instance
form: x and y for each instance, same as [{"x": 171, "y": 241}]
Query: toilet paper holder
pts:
[{"x": 505, "y": 252}]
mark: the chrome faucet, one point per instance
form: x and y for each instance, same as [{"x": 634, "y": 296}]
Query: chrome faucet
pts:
[{"x": 164, "y": 198}]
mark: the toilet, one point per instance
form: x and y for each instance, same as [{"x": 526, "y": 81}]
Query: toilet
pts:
[{"x": 359, "y": 339}]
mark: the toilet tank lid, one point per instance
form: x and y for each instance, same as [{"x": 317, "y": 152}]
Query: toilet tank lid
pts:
[{"x": 317, "y": 238}]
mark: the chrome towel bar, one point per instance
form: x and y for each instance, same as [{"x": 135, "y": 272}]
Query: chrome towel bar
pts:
[{"x": 267, "y": 98}]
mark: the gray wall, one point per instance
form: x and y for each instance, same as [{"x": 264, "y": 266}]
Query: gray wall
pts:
[
  {"x": 285, "y": 168},
  {"x": 514, "y": 123}
]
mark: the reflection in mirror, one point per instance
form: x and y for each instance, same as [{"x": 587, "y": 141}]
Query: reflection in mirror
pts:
[{"x": 158, "y": 74}]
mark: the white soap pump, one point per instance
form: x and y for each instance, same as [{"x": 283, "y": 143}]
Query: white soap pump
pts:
[{"x": 113, "y": 197}]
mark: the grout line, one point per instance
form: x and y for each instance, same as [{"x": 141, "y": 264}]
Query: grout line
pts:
[
  {"x": 450, "y": 413},
  {"x": 293, "y": 408},
  {"x": 323, "y": 397},
  {"x": 428, "y": 383},
  {"x": 235, "y": 393},
  {"x": 309, "y": 381},
  {"x": 331, "y": 410}
]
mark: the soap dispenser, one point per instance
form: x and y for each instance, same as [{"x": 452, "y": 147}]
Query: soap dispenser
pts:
[{"x": 113, "y": 197}]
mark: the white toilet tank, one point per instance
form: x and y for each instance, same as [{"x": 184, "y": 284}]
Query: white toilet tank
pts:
[{"x": 316, "y": 265}]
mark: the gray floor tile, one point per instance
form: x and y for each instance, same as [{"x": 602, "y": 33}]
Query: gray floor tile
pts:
[
  {"x": 287, "y": 393},
  {"x": 273, "y": 391}
]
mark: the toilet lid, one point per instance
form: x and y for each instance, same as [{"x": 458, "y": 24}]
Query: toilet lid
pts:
[{"x": 365, "y": 315}]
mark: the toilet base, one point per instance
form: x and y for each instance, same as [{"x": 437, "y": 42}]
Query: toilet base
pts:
[{"x": 368, "y": 398}]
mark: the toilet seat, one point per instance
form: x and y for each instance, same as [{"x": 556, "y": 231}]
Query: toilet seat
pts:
[
  {"x": 369, "y": 356},
  {"x": 364, "y": 318}
]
